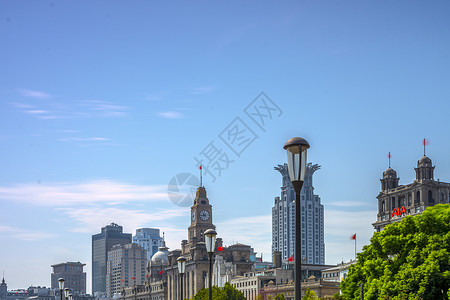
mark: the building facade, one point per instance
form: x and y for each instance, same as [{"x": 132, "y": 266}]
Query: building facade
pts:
[
  {"x": 397, "y": 201},
  {"x": 101, "y": 243},
  {"x": 126, "y": 266},
  {"x": 149, "y": 239},
  {"x": 194, "y": 250},
  {"x": 74, "y": 277},
  {"x": 283, "y": 219}
]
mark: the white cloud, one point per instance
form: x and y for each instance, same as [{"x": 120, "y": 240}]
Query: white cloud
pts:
[
  {"x": 35, "y": 94},
  {"x": 254, "y": 231},
  {"x": 85, "y": 139},
  {"x": 170, "y": 115},
  {"x": 202, "y": 89},
  {"x": 68, "y": 193},
  {"x": 91, "y": 218},
  {"x": 24, "y": 234}
]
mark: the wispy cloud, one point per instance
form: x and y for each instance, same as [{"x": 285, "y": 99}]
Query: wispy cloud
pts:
[
  {"x": 255, "y": 231},
  {"x": 84, "y": 139},
  {"x": 203, "y": 89},
  {"x": 91, "y": 219},
  {"x": 62, "y": 194},
  {"x": 171, "y": 114},
  {"x": 24, "y": 234},
  {"x": 105, "y": 108},
  {"x": 35, "y": 94}
]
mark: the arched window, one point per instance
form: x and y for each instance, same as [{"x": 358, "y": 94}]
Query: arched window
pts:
[
  {"x": 430, "y": 197},
  {"x": 417, "y": 197},
  {"x": 382, "y": 206}
]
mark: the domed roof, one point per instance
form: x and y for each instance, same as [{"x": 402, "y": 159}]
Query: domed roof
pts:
[
  {"x": 160, "y": 258},
  {"x": 424, "y": 160},
  {"x": 390, "y": 171}
]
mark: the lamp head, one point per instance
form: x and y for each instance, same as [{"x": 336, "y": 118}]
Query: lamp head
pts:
[
  {"x": 296, "y": 155},
  {"x": 210, "y": 240}
]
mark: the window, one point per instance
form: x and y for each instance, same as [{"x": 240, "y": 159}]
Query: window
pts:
[{"x": 417, "y": 197}]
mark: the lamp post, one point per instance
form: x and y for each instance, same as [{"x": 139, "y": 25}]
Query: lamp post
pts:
[
  {"x": 61, "y": 287},
  {"x": 181, "y": 269},
  {"x": 66, "y": 293},
  {"x": 210, "y": 240},
  {"x": 296, "y": 156},
  {"x": 70, "y": 297}
]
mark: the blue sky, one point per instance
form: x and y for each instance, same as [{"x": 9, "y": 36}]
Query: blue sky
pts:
[{"x": 102, "y": 103}]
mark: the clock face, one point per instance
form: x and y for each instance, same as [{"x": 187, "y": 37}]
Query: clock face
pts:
[
  {"x": 193, "y": 216},
  {"x": 204, "y": 215}
]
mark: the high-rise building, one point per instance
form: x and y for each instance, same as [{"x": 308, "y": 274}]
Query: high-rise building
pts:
[
  {"x": 125, "y": 267},
  {"x": 149, "y": 239},
  {"x": 74, "y": 277},
  {"x": 3, "y": 289},
  {"x": 397, "y": 201},
  {"x": 101, "y": 243},
  {"x": 312, "y": 224}
]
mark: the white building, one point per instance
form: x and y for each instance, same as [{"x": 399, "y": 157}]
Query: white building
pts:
[
  {"x": 283, "y": 219},
  {"x": 149, "y": 239}
]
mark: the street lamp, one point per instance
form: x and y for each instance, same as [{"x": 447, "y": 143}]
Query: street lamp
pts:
[
  {"x": 61, "y": 287},
  {"x": 66, "y": 293},
  {"x": 70, "y": 297},
  {"x": 181, "y": 269},
  {"x": 210, "y": 240},
  {"x": 296, "y": 156}
]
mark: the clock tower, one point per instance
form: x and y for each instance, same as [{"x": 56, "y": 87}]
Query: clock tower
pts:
[{"x": 201, "y": 217}]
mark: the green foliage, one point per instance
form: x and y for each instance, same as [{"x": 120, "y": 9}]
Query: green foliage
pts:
[
  {"x": 228, "y": 292},
  {"x": 337, "y": 296},
  {"x": 406, "y": 260},
  {"x": 280, "y": 296},
  {"x": 309, "y": 295}
]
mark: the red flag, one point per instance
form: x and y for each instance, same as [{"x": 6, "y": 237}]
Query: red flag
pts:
[
  {"x": 261, "y": 257},
  {"x": 353, "y": 237},
  {"x": 291, "y": 258},
  {"x": 425, "y": 142},
  {"x": 200, "y": 167},
  {"x": 389, "y": 155},
  {"x": 123, "y": 280},
  {"x": 146, "y": 275},
  {"x": 133, "y": 278},
  {"x": 160, "y": 272},
  {"x": 220, "y": 248}
]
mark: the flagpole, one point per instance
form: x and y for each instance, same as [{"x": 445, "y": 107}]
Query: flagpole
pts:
[{"x": 355, "y": 246}]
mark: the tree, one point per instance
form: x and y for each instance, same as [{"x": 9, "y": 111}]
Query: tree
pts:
[
  {"x": 310, "y": 295},
  {"x": 280, "y": 296},
  {"x": 406, "y": 260},
  {"x": 228, "y": 292}
]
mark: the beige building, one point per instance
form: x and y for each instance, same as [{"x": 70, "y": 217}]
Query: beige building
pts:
[
  {"x": 323, "y": 289},
  {"x": 397, "y": 201},
  {"x": 126, "y": 267}
]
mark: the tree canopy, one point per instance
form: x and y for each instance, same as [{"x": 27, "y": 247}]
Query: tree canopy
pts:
[
  {"x": 406, "y": 260},
  {"x": 228, "y": 292}
]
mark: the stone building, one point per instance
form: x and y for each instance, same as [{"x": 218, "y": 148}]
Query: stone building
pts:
[
  {"x": 72, "y": 272},
  {"x": 126, "y": 266},
  {"x": 396, "y": 201},
  {"x": 197, "y": 259},
  {"x": 283, "y": 219}
]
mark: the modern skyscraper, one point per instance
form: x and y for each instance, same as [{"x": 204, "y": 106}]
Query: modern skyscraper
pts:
[
  {"x": 125, "y": 267},
  {"x": 149, "y": 239},
  {"x": 397, "y": 201},
  {"x": 72, "y": 272},
  {"x": 283, "y": 219},
  {"x": 101, "y": 243}
]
